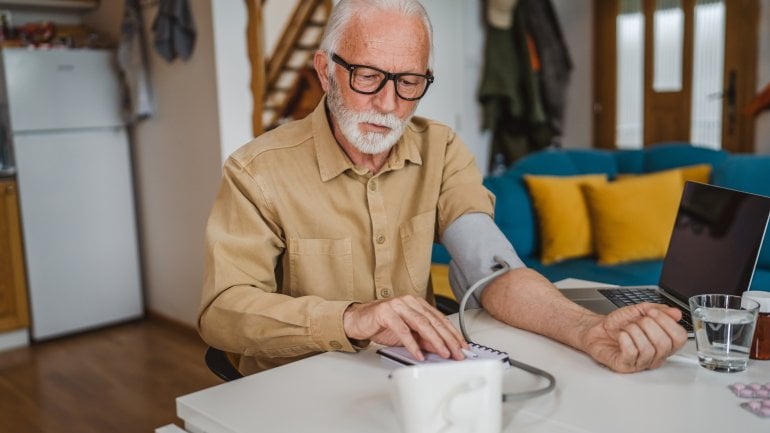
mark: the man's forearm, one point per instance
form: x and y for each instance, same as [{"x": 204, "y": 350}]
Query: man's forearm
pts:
[
  {"x": 525, "y": 299},
  {"x": 246, "y": 320}
]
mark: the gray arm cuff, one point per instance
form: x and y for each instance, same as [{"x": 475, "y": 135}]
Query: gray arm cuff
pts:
[{"x": 473, "y": 240}]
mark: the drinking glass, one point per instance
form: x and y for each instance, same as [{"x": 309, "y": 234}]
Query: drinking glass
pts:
[{"x": 724, "y": 327}]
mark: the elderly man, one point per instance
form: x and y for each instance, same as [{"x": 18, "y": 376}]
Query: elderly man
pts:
[{"x": 320, "y": 237}]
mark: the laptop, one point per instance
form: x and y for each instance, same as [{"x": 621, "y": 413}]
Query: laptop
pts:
[{"x": 713, "y": 248}]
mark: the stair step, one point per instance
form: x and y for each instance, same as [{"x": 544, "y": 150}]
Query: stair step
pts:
[{"x": 305, "y": 47}]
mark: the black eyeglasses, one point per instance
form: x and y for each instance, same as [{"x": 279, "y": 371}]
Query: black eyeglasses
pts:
[{"x": 369, "y": 80}]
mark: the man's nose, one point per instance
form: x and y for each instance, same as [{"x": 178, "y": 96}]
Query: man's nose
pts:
[{"x": 386, "y": 99}]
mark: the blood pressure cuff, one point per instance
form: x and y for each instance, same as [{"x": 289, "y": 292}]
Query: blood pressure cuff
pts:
[{"x": 473, "y": 241}]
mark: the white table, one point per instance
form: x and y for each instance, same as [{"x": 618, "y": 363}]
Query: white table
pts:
[{"x": 341, "y": 392}]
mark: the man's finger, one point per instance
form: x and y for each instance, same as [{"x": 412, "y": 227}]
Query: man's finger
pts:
[
  {"x": 395, "y": 323},
  {"x": 657, "y": 337},
  {"x": 417, "y": 321},
  {"x": 645, "y": 349},
  {"x": 675, "y": 333},
  {"x": 446, "y": 329},
  {"x": 627, "y": 353},
  {"x": 674, "y": 313}
]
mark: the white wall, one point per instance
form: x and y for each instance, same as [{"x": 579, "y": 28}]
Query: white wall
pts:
[
  {"x": 276, "y": 14},
  {"x": 576, "y": 20},
  {"x": 178, "y": 168},
  {"x": 233, "y": 75},
  {"x": 177, "y": 162},
  {"x": 458, "y": 48},
  {"x": 458, "y": 54}
]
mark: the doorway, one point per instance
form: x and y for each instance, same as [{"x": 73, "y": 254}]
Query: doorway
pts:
[{"x": 675, "y": 70}]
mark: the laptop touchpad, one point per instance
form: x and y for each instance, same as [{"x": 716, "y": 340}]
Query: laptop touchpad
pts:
[
  {"x": 583, "y": 294},
  {"x": 599, "y": 306}
]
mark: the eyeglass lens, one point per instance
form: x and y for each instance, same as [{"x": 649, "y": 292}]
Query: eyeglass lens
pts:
[{"x": 367, "y": 80}]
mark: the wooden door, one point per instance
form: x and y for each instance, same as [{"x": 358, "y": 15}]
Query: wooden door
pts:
[
  {"x": 671, "y": 109},
  {"x": 667, "y": 103},
  {"x": 14, "y": 312}
]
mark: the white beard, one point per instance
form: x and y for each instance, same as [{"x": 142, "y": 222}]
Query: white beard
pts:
[{"x": 370, "y": 143}]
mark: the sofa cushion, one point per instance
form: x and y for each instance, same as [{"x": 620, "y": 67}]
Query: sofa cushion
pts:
[
  {"x": 671, "y": 155},
  {"x": 440, "y": 254},
  {"x": 629, "y": 274},
  {"x": 552, "y": 162},
  {"x": 562, "y": 215},
  {"x": 513, "y": 211},
  {"x": 630, "y": 161},
  {"x": 761, "y": 280},
  {"x": 632, "y": 218},
  {"x": 750, "y": 173},
  {"x": 592, "y": 161}
]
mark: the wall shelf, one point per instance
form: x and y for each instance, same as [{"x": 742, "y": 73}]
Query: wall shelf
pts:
[{"x": 50, "y": 4}]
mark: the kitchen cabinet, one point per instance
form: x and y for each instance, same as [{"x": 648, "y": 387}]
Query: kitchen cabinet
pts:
[{"x": 14, "y": 312}]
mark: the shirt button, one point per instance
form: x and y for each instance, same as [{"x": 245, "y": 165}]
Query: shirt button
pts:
[
  {"x": 380, "y": 239},
  {"x": 373, "y": 185},
  {"x": 385, "y": 293},
  {"x": 335, "y": 345}
]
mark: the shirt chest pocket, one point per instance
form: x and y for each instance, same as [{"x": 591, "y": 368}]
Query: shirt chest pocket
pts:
[
  {"x": 417, "y": 242},
  {"x": 321, "y": 267}
]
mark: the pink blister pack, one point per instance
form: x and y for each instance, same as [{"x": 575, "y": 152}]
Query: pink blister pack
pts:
[
  {"x": 760, "y": 405},
  {"x": 760, "y": 408},
  {"x": 751, "y": 390}
]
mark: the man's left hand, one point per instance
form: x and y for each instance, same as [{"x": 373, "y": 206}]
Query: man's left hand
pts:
[{"x": 636, "y": 338}]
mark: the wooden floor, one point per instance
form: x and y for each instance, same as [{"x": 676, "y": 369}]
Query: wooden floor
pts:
[{"x": 120, "y": 379}]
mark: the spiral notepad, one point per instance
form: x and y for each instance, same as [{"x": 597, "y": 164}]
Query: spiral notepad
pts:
[{"x": 402, "y": 356}]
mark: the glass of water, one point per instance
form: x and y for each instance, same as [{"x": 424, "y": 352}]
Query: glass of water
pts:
[{"x": 724, "y": 327}]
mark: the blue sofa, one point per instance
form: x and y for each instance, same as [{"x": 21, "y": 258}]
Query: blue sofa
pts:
[{"x": 515, "y": 215}]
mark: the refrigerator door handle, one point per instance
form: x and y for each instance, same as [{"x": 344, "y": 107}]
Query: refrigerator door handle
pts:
[{"x": 6, "y": 161}]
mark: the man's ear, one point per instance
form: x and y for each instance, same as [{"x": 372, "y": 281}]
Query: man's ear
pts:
[{"x": 321, "y": 63}]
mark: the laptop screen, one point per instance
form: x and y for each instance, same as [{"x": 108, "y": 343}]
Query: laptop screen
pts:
[{"x": 715, "y": 242}]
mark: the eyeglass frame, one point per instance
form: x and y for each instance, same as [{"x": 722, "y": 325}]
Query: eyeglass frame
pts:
[{"x": 389, "y": 76}]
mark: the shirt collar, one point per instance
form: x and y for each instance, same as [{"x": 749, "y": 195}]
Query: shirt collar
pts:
[{"x": 333, "y": 161}]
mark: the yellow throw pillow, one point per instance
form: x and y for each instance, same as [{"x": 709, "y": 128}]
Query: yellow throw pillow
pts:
[
  {"x": 697, "y": 173},
  {"x": 632, "y": 219},
  {"x": 565, "y": 227}
]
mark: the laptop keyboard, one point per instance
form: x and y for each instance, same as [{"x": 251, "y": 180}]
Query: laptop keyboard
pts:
[{"x": 630, "y": 296}]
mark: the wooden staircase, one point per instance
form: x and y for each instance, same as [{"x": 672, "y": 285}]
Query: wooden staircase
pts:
[{"x": 291, "y": 87}]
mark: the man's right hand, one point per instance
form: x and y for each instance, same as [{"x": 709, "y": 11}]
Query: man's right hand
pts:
[{"x": 406, "y": 321}]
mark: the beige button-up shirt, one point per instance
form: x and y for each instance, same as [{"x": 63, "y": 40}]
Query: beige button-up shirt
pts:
[{"x": 297, "y": 233}]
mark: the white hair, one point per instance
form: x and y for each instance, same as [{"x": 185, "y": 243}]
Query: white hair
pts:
[{"x": 345, "y": 10}]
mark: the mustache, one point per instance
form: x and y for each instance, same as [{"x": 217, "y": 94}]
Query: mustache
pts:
[{"x": 387, "y": 120}]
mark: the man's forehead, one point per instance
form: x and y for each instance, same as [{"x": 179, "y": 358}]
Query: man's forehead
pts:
[{"x": 386, "y": 40}]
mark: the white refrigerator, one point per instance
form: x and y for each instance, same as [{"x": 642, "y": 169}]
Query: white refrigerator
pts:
[{"x": 61, "y": 113}]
